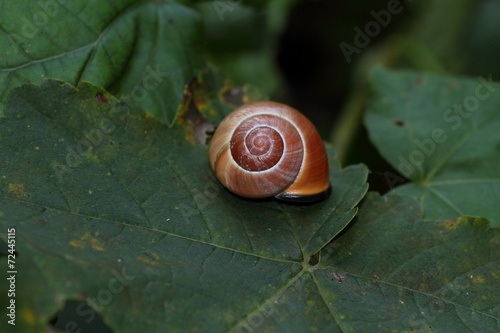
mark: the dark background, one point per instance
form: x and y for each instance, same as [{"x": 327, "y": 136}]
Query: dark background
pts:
[{"x": 445, "y": 37}]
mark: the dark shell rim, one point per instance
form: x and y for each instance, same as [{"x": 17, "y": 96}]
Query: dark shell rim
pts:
[{"x": 304, "y": 198}]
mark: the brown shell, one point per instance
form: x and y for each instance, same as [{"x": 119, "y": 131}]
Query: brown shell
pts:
[{"x": 269, "y": 149}]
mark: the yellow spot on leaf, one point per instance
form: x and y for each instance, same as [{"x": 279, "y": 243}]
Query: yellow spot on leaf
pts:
[
  {"x": 88, "y": 241},
  {"x": 77, "y": 243},
  {"x": 189, "y": 136},
  {"x": 16, "y": 189},
  {"x": 476, "y": 222},
  {"x": 246, "y": 99},
  {"x": 150, "y": 259},
  {"x": 200, "y": 102},
  {"x": 96, "y": 244},
  {"x": 37, "y": 148},
  {"x": 91, "y": 157},
  {"x": 478, "y": 279},
  {"x": 212, "y": 112},
  {"x": 28, "y": 316}
]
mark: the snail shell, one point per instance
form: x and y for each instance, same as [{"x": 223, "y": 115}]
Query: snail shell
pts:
[{"x": 267, "y": 149}]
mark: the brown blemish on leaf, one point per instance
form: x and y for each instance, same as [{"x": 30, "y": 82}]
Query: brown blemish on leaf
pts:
[
  {"x": 399, "y": 123},
  {"x": 339, "y": 276},
  {"x": 100, "y": 98},
  {"x": 149, "y": 258},
  {"x": 451, "y": 224}
]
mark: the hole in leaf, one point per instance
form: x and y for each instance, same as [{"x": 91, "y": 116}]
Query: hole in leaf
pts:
[
  {"x": 210, "y": 133},
  {"x": 314, "y": 260},
  {"x": 193, "y": 97},
  {"x": 79, "y": 317}
]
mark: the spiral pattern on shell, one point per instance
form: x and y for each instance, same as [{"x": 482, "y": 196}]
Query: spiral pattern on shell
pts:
[{"x": 269, "y": 149}]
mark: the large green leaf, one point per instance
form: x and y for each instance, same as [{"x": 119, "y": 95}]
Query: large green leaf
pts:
[
  {"x": 145, "y": 51},
  {"x": 443, "y": 133},
  {"x": 392, "y": 272},
  {"x": 114, "y": 208}
]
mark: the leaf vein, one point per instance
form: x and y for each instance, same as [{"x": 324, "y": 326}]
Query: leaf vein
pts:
[{"x": 151, "y": 229}]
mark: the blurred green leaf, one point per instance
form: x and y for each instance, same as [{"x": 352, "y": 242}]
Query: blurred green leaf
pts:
[
  {"x": 242, "y": 37},
  {"x": 442, "y": 133},
  {"x": 482, "y": 39},
  {"x": 114, "y": 208}
]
